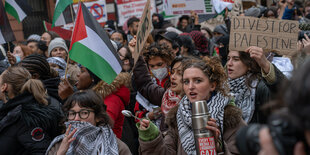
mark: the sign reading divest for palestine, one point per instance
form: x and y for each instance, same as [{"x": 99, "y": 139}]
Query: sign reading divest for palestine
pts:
[{"x": 269, "y": 34}]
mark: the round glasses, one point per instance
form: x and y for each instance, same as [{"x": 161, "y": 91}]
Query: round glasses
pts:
[{"x": 83, "y": 114}]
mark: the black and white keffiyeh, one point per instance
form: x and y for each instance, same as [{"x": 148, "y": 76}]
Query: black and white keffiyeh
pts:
[
  {"x": 216, "y": 107},
  {"x": 244, "y": 96},
  {"x": 90, "y": 140}
]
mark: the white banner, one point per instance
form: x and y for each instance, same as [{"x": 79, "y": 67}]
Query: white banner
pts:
[
  {"x": 97, "y": 8},
  {"x": 130, "y": 8},
  {"x": 182, "y": 7}
]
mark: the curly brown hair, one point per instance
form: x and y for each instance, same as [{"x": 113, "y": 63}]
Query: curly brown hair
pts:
[
  {"x": 213, "y": 69},
  {"x": 162, "y": 51}
]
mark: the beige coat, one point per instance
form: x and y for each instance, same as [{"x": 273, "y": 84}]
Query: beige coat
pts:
[{"x": 169, "y": 142}]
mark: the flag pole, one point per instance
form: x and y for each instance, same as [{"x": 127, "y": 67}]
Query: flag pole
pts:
[
  {"x": 71, "y": 10},
  {"x": 9, "y": 47},
  {"x": 66, "y": 71}
]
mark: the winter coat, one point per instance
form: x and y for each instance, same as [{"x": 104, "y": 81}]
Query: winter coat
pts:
[
  {"x": 116, "y": 96},
  {"x": 170, "y": 144},
  {"x": 26, "y": 127},
  {"x": 265, "y": 92}
]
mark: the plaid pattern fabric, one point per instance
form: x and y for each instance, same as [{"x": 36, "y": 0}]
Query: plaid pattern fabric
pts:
[
  {"x": 90, "y": 140},
  {"x": 200, "y": 40}
]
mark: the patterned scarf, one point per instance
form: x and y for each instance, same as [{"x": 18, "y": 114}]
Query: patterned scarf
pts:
[
  {"x": 90, "y": 140},
  {"x": 184, "y": 119},
  {"x": 170, "y": 100},
  {"x": 244, "y": 96}
]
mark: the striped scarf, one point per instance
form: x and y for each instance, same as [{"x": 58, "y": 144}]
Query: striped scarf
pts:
[
  {"x": 90, "y": 140},
  {"x": 244, "y": 96},
  {"x": 184, "y": 119}
]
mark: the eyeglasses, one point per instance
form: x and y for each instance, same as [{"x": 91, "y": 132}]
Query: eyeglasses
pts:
[{"x": 83, "y": 114}]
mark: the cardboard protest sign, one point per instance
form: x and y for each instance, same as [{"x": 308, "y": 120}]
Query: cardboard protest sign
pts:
[
  {"x": 269, "y": 34},
  {"x": 145, "y": 28}
]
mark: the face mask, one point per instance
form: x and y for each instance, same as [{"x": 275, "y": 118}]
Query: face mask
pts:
[
  {"x": 119, "y": 44},
  {"x": 17, "y": 58},
  {"x": 160, "y": 73},
  {"x": 156, "y": 25}
]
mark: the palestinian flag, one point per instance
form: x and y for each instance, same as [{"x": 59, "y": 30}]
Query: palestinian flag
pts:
[
  {"x": 19, "y": 9},
  {"x": 92, "y": 48},
  {"x": 6, "y": 33},
  {"x": 63, "y": 13}
]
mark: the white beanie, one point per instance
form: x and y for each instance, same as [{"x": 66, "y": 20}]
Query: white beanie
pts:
[{"x": 57, "y": 42}]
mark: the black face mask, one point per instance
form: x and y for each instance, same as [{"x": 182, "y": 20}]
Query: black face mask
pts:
[{"x": 156, "y": 25}]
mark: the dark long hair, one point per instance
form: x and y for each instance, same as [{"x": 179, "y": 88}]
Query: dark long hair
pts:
[{"x": 253, "y": 67}]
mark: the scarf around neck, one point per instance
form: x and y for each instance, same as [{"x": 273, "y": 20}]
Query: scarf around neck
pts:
[
  {"x": 170, "y": 100},
  {"x": 90, "y": 140},
  {"x": 244, "y": 96},
  {"x": 216, "y": 107}
]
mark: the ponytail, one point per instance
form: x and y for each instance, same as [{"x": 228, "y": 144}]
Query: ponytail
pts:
[
  {"x": 36, "y": 88},
  {"x": 20, "y": 80}
]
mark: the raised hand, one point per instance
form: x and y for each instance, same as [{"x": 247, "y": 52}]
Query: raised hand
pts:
[
  {"x": 258, "y": 55},
  {"x": 65, "y": 143},
  {"x": 65, "y": 89}
]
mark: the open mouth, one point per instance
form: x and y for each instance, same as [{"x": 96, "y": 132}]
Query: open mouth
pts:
[
  {"x": 229, "y": 71},
  {"x": 173, "y": 84},
  {"x": 192, "y": 95}
]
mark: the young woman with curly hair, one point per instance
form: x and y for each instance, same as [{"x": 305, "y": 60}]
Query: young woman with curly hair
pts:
[{"x": 202, "y": 80}]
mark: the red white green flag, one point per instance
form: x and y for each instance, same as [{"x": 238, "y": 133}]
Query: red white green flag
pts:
[{"x": 92, "y": 48}]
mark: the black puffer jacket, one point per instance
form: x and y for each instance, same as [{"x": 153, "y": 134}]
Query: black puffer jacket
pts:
[{"x": 26, "y": 127}]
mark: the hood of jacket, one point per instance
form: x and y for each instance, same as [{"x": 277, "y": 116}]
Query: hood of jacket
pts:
[
  {"x": 31, "y": 112},
  {"x": 120, "y": 87},
  {"x": 51, "y": 85}
]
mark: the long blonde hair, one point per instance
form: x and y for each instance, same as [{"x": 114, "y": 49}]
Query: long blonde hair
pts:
[{"x": 20, "y": 80}]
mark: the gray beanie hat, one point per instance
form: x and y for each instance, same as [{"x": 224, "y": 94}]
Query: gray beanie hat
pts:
[
  {"x": 221, "y": 29},
  {"x": 34, "y": 37},
  {"x": 252, "y": 12},
  {"x": 58, "y": 61},
  {"x": 57, "y": 42}
]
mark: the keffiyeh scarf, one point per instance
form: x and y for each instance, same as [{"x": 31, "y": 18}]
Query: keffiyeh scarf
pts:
[
  {"x": 90, "y": 140},
  {"x": 184, "y": 119},
  {"x": 244, "y": 96}
]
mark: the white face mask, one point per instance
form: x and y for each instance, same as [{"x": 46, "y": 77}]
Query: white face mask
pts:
[{"x": 160, "y": 73}]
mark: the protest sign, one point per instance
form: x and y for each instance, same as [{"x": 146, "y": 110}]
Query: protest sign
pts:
[
  {"x": 97, "y": 8},
  {"x": 127, "y": 9},
  {"x": 269, "y": 34},
  {"x": 181, "y": 7},
  {"x": 144, "y": 30}
]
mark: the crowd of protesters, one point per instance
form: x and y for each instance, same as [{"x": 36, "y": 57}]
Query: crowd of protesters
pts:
[{"x": 53, "y": 105}]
